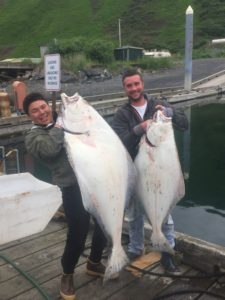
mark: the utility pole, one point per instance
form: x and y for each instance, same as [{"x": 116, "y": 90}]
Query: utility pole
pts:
[
  {"x": 119, "y": 33},
  {"x": 188, "y": 48}
]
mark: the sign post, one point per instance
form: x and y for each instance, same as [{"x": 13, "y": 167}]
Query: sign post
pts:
[{"x": 52, "y": 76}]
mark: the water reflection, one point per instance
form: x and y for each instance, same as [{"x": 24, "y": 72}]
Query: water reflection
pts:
[
  {"x": 199, "y": 221},
  {"x": 204, "y": 202}
]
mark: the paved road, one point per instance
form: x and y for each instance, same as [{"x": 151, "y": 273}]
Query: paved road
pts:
[
  {"x": 173, "y": 77},
  {"x": 168, "y": 78},
  {"x": 201, "y": 68}
]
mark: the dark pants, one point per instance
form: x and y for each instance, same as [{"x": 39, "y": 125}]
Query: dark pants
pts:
[{"x": 78, "y": 225}]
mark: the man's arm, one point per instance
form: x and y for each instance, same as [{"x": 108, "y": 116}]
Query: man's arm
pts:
[
  {"x": 127, "y": 134},
  {"x": 44, "y": 144},
  {"x": 179, "y": 119}
]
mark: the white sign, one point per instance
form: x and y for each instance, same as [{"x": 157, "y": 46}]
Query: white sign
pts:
[{"x": 52, "y": 72}]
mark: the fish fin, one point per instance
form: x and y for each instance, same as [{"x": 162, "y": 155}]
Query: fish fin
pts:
[
  {"x": 160, "y": 243},
  {"x": 65, "y": 95},
  {"x": 116, "y": 262}
]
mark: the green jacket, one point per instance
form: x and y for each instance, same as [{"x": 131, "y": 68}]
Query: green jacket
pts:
[{"x": 47, "y": 144}]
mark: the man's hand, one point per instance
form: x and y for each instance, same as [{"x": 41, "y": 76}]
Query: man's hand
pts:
[
  {"x": 144, "y": 125},
  {"x": 141, "y": 128},
  {"x": 167, "y": 111},
  {"x": 58, "y": 122}
]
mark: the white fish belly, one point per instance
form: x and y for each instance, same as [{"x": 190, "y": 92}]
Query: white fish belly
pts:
[
  {"x": 160, "y": 184},
  {"x": 102, "y": 175}
]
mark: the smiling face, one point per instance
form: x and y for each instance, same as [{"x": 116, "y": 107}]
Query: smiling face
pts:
[
  {"x": 134, "y": 86},
  {"x": 40, "y": 112}
]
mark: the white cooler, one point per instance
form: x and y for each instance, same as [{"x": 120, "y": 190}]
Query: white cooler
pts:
[{"x": 27, "y": 204}]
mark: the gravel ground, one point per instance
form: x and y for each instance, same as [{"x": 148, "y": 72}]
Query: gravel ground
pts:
[{"x": 167, "y": 78}]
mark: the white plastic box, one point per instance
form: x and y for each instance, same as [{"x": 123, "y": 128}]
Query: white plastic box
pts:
[{"x": 26, "y": 205}]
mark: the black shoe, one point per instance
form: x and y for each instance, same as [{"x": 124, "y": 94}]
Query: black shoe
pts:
[
  {"x": 133, "y": 256},
  {"x": 95, "y": 269},
  {"x": 169, "y": 265},
  {"x": 67, "y": 290}
]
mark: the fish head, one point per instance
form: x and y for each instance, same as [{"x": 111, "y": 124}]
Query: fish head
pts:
[
  {"x": 159, "y": 128},
  {"x": 73, "y": 112},
  {"x": 159, "y": 117}
]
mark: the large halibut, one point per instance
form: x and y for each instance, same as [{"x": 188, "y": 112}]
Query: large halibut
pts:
[
  {"x": 103, "y": 169},
  {"x": 160, "y": 183}
]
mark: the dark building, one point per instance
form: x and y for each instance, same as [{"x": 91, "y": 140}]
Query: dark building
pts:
[{"x": 128, "y": 53}]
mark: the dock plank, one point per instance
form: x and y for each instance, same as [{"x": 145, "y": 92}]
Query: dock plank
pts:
[
  {"x": 39, "y": 255},
  {"x": 42, "y": 274},
  {"x": 51, "y": 227},
  {"x": 207, "y": 256},
  {"x": 32, "y": 261},
  {"x": 51, "y": 284},
  {"x": 34, "y": 245},
  {"x": 218, "y": 288},
  {"x": 147, "y": 286},
  {"x": 97, "y": 290},
  {"x": 188, "y": 285}
]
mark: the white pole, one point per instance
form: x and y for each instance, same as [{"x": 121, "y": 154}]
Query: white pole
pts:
[
  {"x": 120, "y": 34},
  {"x": 188, "y": 48}
]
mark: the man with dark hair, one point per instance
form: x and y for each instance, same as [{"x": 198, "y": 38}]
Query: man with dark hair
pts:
[
  {"x": 130, "y": 123},
  {"x": 31, "y": 98},
  {"x": 45, "y": 141}
]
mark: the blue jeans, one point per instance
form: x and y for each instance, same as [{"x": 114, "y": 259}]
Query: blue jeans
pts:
[{"x": 136, "y": 230}]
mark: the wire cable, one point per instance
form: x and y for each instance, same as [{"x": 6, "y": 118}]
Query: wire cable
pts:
[
  {"x": 189, "y": 292},
  {"x": 212, "y": 275},
  {"x": 27, "y": 276}
]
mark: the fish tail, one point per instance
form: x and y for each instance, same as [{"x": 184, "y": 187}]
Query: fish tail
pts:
[
  {"x": 116, "y": 262},
  {"x": 160, "y": 243}
]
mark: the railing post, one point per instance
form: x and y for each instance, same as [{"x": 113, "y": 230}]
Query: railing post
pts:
[
  {"x": 186, "y": 146},
  {"x": 2, "y": 161},
  {"x": 188, "y": 48}
]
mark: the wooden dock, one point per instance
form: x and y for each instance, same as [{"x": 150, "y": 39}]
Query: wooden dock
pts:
[{"x": 39, "y": 256}]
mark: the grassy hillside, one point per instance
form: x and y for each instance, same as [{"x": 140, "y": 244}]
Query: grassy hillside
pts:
[{"x": 27, "y": 24}]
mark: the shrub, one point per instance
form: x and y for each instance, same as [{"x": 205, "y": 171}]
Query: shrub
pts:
[
  {"x": 75, "y": 62},
  {"x": 100, "y": 51},
  {"x": 68, "y": 46},
  {"x": 153, "y": 63}
]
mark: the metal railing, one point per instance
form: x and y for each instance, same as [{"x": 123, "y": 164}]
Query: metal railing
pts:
[
  {"x": 4, "y": 156},
  {"x": 2, "y": 161}
]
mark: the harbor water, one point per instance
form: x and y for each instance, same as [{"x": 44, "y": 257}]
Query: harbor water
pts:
[{"x": 201, "y": 213}]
